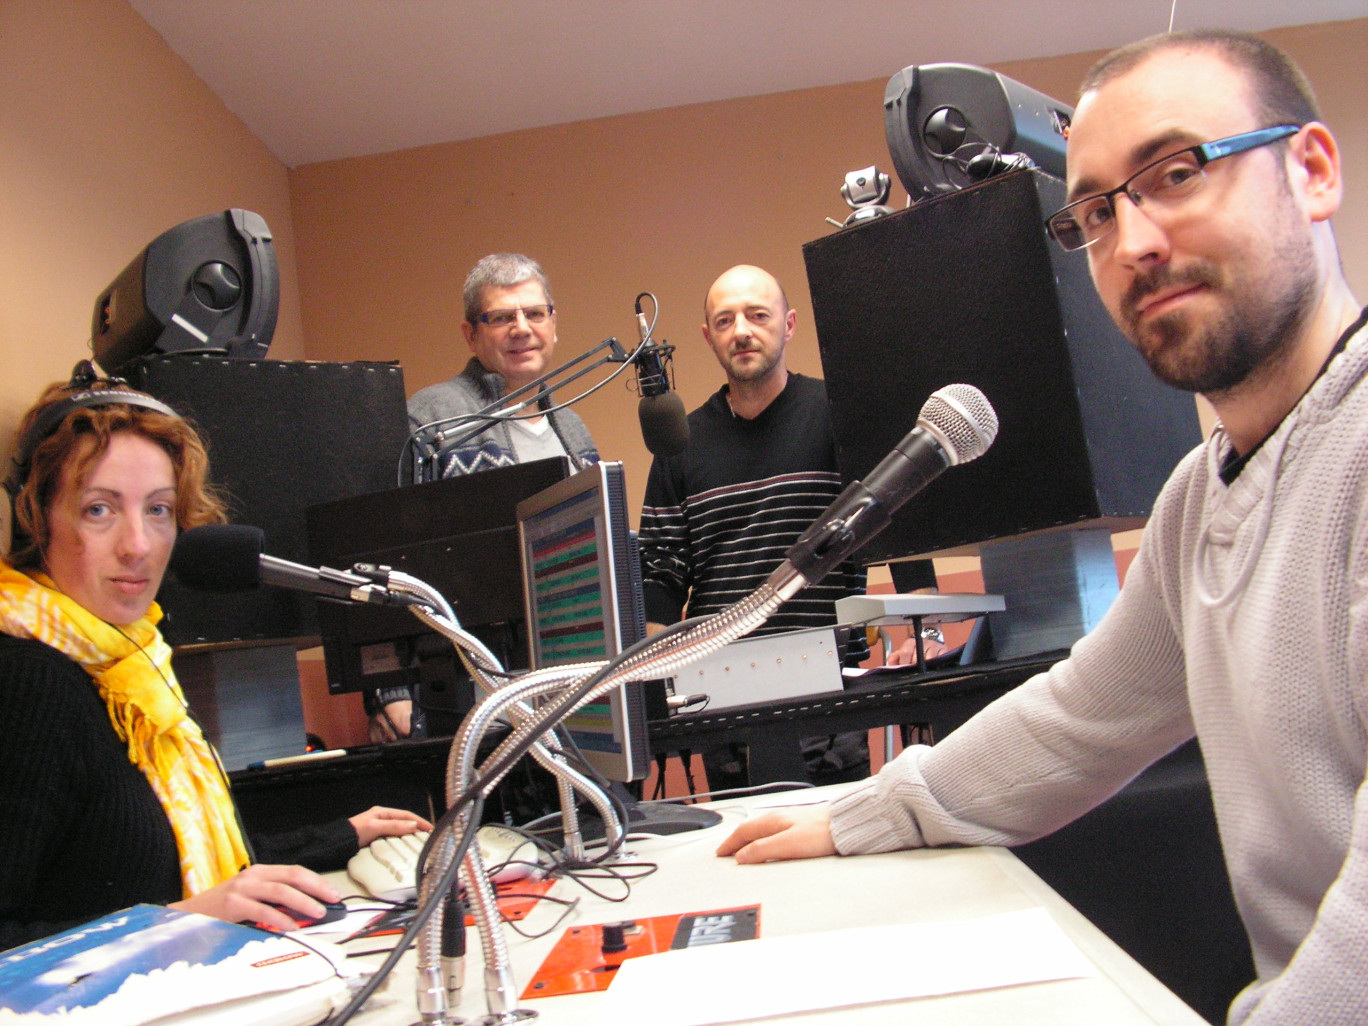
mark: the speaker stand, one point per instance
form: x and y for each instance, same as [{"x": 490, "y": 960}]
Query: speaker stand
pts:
[{"x": 1056, "y": 586}]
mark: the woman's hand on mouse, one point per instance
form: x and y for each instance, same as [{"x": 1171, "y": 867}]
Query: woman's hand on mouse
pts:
[{"x": 260, "y": 894}]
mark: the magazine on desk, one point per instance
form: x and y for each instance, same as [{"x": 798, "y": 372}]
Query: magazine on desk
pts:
[{"x": 149, "y": 964}]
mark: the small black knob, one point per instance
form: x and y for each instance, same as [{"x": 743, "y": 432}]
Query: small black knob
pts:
[{"x": 614, "y": 937}]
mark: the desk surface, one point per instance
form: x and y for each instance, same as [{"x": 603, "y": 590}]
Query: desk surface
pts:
[{"x": 829, "y": 894}]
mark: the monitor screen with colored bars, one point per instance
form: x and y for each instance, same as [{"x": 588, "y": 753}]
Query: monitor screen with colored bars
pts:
[{"x": 581, "y": 581}]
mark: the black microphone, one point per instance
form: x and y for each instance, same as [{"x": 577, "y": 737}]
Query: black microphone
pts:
[
  {"x": 228, "y": 557},
  {"x": 956, "y": 425},
  {"x": 664, "y": 424}
]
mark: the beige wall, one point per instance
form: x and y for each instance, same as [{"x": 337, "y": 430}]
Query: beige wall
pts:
[
  {"x": 106, "y": 140},
  {"x": 658, "y": 202},
  {"x": 661, "y": 201}
]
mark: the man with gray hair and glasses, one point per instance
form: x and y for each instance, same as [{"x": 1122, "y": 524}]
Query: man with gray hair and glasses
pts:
[
  {"x": 1201, "y": 186},
  {"x": 510, "y": 327}
]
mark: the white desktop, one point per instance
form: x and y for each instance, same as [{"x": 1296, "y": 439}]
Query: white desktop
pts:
[{"x": 968, "y": 900}]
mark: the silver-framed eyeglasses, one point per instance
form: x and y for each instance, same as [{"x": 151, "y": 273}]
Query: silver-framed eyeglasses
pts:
[
  {"x": 505, "y": 318},
  {"x": 1164, "y": 184}
]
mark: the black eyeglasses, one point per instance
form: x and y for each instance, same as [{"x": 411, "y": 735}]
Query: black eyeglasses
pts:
[
  {"x": 1166, "y": 183},
  {"x": 504, "y": 318}
]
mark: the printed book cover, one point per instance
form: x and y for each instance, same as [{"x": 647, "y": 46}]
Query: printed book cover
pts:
[{"x": 149, "y": 964}]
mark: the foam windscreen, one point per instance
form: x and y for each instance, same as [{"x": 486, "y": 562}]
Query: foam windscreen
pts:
[{"x": 219, "y": 557}]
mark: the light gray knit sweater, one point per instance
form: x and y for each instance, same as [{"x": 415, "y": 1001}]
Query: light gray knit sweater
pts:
[{"x": 1244, "y": 618}]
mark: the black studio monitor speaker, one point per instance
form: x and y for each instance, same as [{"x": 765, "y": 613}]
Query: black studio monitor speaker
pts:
[
  {"x": 950, "y": 125},
  {"x": 459, "y": 535},
  {"x": 210, "y": 285},
  {"x": 283, "y": 436},
  {"x": 967, "y": 287}
]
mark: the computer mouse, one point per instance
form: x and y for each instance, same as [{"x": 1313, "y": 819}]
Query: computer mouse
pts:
[{"x": 333, "y": 911}]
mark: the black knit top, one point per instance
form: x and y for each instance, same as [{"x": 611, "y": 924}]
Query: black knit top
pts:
[{"x": 82, "y": 833}]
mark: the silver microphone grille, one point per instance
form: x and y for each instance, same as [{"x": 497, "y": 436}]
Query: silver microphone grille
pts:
[{"x": 963, "y": 419}]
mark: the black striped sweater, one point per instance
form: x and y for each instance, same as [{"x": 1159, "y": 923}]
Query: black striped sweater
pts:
[{"x": 718, "y": 518}]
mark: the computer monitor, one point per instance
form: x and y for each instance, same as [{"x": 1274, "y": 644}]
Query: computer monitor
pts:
[
  {"x": 584, "y": 602},
  {"x": 582, "y": 595},
  {"x": 460, "y": 536}
]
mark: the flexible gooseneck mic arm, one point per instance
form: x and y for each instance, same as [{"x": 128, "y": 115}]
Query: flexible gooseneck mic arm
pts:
[{"x": 956, "y": 425}]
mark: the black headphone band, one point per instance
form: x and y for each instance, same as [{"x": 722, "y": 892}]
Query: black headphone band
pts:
[{"x": 51, "y": 419}]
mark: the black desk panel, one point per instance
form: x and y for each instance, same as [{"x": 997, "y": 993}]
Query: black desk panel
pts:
[
  {"x": 411, "y": 774},
  {"x": 940, "y": 699}
]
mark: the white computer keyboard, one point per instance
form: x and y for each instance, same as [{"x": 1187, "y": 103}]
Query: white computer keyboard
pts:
[{"x": 386, "y": 867}]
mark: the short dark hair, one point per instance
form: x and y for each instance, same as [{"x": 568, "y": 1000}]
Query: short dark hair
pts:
[
  {"x": 196, "y": 500},
  {"x": 1281, "y": 90},
  {"x": 500, "y": 271}
]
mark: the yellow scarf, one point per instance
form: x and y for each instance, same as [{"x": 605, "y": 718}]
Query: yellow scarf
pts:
[{"x": 131, "y": 667}]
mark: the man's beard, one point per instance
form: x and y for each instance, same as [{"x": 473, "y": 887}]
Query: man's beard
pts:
[
  {"x": 1255, "y": 329},
  {"x": 756, "y": 371}
]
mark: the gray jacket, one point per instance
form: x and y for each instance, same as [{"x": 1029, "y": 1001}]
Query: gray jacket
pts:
[{"x": 470, "y": 391}]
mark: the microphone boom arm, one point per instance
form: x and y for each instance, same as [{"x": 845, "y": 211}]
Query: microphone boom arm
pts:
[{"x": 431, "y": 440}]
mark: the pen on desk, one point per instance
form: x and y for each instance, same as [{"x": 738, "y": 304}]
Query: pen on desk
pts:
[
  {"x": 290, "y": 760},
  {"x": 453, "y": 947}
]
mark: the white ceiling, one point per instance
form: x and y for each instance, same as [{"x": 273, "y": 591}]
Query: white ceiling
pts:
[{"x": 324, "y": 79}]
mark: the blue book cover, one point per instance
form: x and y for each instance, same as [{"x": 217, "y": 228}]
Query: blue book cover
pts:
[{"x": 149, "y": 962}]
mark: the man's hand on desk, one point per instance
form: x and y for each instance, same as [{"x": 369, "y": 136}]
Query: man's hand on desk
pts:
[
  {"x": 798, "y": 833},
  {"x": 378, "y": 821},
  {"x": 906, "y": 653}
]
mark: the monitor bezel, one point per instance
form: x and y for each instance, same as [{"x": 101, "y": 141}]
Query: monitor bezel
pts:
[{"x": 604, "y": 484}]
